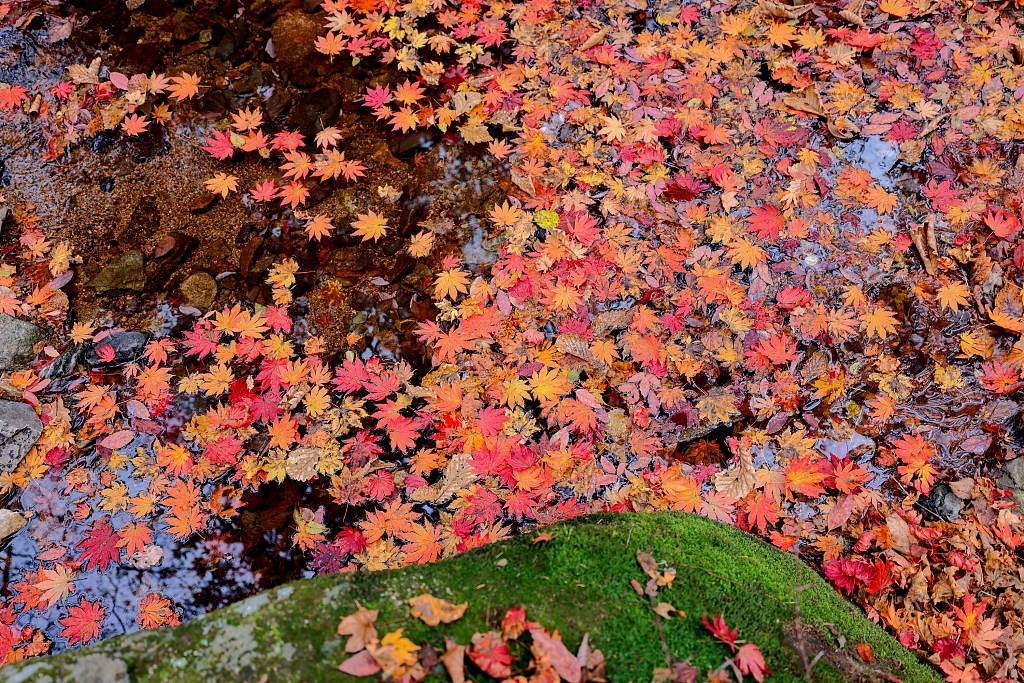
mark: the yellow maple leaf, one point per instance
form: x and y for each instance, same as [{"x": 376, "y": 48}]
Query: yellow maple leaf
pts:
[
  {"x": 222, "y": 184},
  {"x": 370, "y": 225},
  {"x": 897, "y": 8},
  {"x": 880, "y": 321},
  {"x": 953, "y": 295}
]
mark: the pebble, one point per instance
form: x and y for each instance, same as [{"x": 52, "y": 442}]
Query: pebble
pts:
[
  {"x": 20, "y": 428},
  {"x": 124, "y": 272},
  {"x": 202, "y": 203},
  {"x": 17, "y": 339},
  {"x": 294, "y": 36},
  {"x": 199, "y": 290},
  {"x": 143, "y": 222},
  {"x": 11, "y": 522}
]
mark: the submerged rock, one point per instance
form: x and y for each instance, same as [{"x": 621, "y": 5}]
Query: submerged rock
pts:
[
  {"x": 124, "y": 272},
  {"x": 17, "y": 339},
  {"x": 11, "y": 523},
  {"x": 942, "y": 503},
  {"x": 126, "y": 346},
  {"x": 19, "y": 429},
  {"x": 199, "y": 290}
]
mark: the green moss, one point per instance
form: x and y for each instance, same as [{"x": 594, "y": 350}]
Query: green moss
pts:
[{"x": 577, "y": 583}]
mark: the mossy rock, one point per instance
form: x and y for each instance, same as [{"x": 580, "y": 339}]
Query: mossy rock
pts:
[{"x": 578, "y": 582}]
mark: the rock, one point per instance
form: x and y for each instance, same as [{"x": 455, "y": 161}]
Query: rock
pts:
[
  {"x": 143, "y": 222},
  {"x": 170, "y": 253},
  {"x": 138, "y": 58},
  {"x": 314, "y": 111},
  {"x": 19, "y": 429},
  {"x": 187, "y": 30},
  {"x": 127, "y": 347},
  {"x": 124, "y": 272},
  {"x": 198, "y": 290},
  {"x": 11, "y": 523},
  {"x": 155, "y": 142},
  {"x": 942, "y": 503},
  {"x": 277, "y": 104},
  {"x": 17, "y": 338},
  {"x": 1012, "y": 479},
  {"x": 294, "y": 35},
  {"x": 406, "y": 145},
  {"x": 64, "y": 364},
  {"x": 202, "y": 203},
  {"x": 4, "y": 212}
]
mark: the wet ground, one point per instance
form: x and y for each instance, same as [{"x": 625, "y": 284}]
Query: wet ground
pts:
[{"x": 108, "y": 195}]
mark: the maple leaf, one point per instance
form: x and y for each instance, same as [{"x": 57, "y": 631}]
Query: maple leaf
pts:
[
  {"x": 83, "y": 622},
  {"x": 395, "y": 654},
  {"x": 751, "y": 661},
  {"x": 422, "y": 543},
  {"x": 491, "y": 654},
  {"x": 155, "y": 611},
  {"x": 184, "y": 87},
  {"x": 720, "y": 630},
  {"x": 359, "y": 626},
  {"x": 134, "y": 124},
  {"x": 434, "y": 611},
  {"x": 450, "y": 283},
  {"x": 1002, "y": 223},
  {"x": 11, "y": 97},
  {"x": 99, "y": 547},
  {"x": 319, "y": 227},
  {"x": 953, "y": 295},
  {"x": 370, "y": 225},
  {"x": 767, "y": 221},
  {"x": 222, "y": 184},
  {"x": 880, "y": 321},
  {"x": 294, "y": 194},
  {"x": 55, "y": 584}
]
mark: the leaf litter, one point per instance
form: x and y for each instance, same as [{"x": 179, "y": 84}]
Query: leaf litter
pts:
[{"x": 797, "y": 226}]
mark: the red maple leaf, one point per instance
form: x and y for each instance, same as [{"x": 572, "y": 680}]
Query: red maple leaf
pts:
[
  {"x": 720, "y": 630},
  {"x": 491, "y": 654},
  {"x": 751, "y": 661},
  {"x": 219, "y": 145},
  {"x": 767, "y": 221},
  {"x": 11, "y": 97},
  {"x": 100, "y": 545},
  {"x": 83, "y": 622}
]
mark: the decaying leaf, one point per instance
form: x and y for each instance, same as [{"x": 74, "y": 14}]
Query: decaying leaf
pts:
[{"x": 434, "y": 611}]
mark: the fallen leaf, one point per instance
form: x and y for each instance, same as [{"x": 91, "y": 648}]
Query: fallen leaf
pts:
[
  {"x": 434, "y": 611},
  {"x": 541, "y": 537},
  {"x": 454, "y": 660},
  {"x": 563, "y": 661},
  {"x": 865, "y": 652},
  {"x": 359, "y": 625},
  {"x": 665, "y": 610},
  {"x": 360, "y": 664}
]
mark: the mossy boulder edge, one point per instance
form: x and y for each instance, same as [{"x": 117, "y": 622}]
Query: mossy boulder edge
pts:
[{"x": 577, "y": 582}]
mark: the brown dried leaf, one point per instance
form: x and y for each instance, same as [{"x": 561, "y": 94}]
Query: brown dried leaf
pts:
[
  {"x": 434, "y": 611},
  {"x": 454, "y": 660},
  {"x": 359, "y": 625},
  {"x": 562, "y": 661}
]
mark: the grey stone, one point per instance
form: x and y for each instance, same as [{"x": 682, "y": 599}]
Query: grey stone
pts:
[
  {"x": 11, "y": 523},
  {"x": 199, "y": 290},
  {"x": 1012, "y": 479},
  {"x": 64, "y": 364},
  {"x": 19, "y": 429},
  {"x": 943, "y": 503},
  {"x": 17, "y": 338},
  {"x": 124, "y": 272},
  {"x": 100, "y": 668},
  {"x": 127, "y": 346}
]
